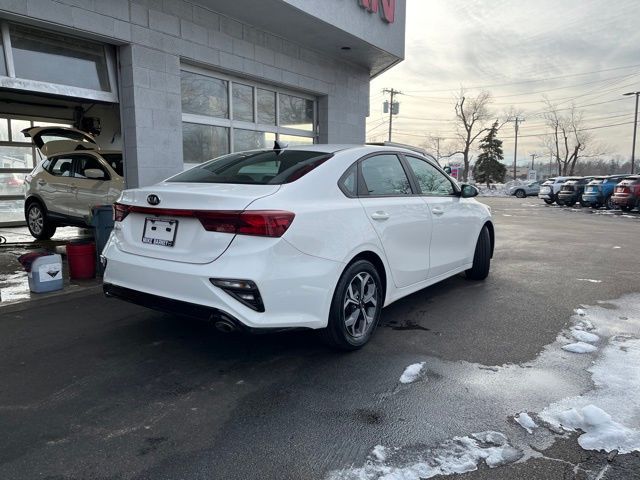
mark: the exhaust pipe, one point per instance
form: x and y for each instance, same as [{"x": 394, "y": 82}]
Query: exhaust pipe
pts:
[{"x": 225, "y": 326}]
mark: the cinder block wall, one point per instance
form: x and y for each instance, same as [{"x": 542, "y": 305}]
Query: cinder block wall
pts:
[{"x": 154, "y": 36}]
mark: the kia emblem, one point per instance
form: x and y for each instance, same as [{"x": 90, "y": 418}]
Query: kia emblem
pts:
[{"x": 153, "y": 200}]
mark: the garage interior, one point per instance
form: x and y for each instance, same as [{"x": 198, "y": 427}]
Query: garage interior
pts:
[{"x": 82, "y": 94}]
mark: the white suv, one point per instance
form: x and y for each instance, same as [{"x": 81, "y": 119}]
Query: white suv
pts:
[
  {"x": 75, "y": 176},
  {"x": 549, "y": 189}
]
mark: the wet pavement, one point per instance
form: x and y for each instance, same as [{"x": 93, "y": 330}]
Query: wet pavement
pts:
[
  {"x": 100, "y": 389},
  {"x": 14, "y": 287}
]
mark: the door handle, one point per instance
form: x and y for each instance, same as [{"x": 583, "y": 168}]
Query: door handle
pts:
[
  {"x": 437, "y": 211},
  {"x": 380, "y": 215}
]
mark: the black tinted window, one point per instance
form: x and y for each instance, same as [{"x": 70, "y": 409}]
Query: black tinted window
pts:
[
  {"x": 264, "y": 167},
  {"x": 384, "y": 175},
  {"x": 115, "y": 161}
]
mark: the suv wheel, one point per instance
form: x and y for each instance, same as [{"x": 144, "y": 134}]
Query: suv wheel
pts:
[
  {"x": 608, "y": 203},
  {"x": 521, "y": 193},
  {"x": 39, "y": 226},
  {"x": 355, "y": 308},
  {"x": 548, "y": 201}
]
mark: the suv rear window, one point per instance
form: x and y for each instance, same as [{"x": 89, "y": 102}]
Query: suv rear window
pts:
[{"x": 261, "y": 167}]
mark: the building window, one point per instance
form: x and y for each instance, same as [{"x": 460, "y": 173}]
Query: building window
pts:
[
  {"x": 41, "y": 61},
  {"x": 222, "y": 114}
]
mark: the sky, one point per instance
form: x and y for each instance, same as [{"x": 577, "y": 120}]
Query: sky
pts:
[{"x": 582, "y": 52}]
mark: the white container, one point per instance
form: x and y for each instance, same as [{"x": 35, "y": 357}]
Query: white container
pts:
[{"x": 46, "y": 274}]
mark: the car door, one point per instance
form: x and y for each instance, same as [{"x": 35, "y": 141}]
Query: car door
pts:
[
  {"x": 92, "y": 185},
  {"x": 454, "y": 231},
  {"x": 399, "y": 217},
  {"x": 53, "y": 185}
]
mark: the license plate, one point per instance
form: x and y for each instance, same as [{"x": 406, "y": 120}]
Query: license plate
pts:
[{"x": 160, "y": 232}]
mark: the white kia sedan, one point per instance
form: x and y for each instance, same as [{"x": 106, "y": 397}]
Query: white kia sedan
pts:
[{"x": 319, "y": 237}]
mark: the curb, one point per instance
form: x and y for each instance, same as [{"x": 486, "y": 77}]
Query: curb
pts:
[{"x": 50, "y": 300}]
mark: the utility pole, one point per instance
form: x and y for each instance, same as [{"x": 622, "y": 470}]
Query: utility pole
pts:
[
  {"x": 515, "y": 152},
  {"x": 438, "y": 149},
  {"x": 533, "y": 159},
  {"x": 635, "y": 129},
  {"x": 392, "y": 107}
]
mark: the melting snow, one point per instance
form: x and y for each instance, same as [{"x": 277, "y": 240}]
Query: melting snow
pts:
[
  {"x": 457, "y": 455},
  {"x": 583, "y": 336},
  {"x": 591, "y": 280},
  {"x": 616, "y": 247},
  {"x": 412, "y": 373},
  {"x": 526, "y": 422},
  {"x": 379, "y": 452}
]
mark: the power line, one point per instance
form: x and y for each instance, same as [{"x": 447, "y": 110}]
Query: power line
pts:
[{"x": 532, "y": 80}]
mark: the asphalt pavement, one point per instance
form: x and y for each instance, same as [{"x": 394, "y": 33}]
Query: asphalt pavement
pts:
[{"x": 99, "y": 389}]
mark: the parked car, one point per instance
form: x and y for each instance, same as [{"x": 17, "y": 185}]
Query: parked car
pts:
[
  {"x": 571, "y": 191},
  {"x": 599, "y": 191},
  {"x": 524, "y": 190},
  {"x": 11, "y": 183},
  {"x": 627, "y": 193},
  {"x": 75, "y": 176},
  {"x": 318, "y": 237},
  {"x": 550, "y": 188}
]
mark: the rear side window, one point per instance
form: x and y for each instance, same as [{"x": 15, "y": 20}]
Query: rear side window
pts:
[
  {"x": 384, "y": 175},
  {"x": 261, "y": 167},
  {"x": 348, "y": 183},
  {"x": 61, "y": 166}
]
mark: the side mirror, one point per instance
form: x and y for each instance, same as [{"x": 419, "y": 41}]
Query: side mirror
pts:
[
  {"x": 94, "y": 173},
  {"x": 447, "y": 170},
  {"x": 468, "y": 191}
]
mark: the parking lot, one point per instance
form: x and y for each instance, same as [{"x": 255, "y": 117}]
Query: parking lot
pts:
[{"x": 99, "y": 389}]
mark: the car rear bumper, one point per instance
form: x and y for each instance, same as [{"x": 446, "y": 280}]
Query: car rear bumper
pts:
[
  {"x": 296, "y": 288},
  {"x": 568, "y": 197},
  {"x": 625, "y": 201},
  {"x": 592, "y": 198}
]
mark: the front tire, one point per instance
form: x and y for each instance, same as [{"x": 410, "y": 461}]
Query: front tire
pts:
[
  {"x": 521, "y": 194},
  {"x": 355, "y": 308},
  {"x": 481, "y": 257},
  {"x": 547, "y": 201},
  {"x": 40, "y": 227}
]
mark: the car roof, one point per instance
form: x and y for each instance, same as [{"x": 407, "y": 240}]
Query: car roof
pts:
[{"x": 363, "y": 149}]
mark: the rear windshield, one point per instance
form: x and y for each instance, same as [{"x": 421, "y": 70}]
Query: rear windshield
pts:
[
  {"x": 260, "y": 167},
  {"x": 115, "y": 161}
]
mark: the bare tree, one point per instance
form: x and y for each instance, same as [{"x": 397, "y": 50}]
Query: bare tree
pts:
[
  {"x": 568, "y": 142},
  {"x": 473, "y": 118}
]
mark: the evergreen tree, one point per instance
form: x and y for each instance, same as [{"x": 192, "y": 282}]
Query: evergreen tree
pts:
[{"x": 489, "y": 167}]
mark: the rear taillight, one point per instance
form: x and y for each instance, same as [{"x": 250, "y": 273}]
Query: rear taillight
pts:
[
  {"x": 623, "y": 189},
  {"x": 120, "y": 211},
  {"x": 262, "y": 223}
]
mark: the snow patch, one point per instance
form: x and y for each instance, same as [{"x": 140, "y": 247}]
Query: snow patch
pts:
[
  {"x": 579, "y": 347},
  {"x": 616, "y": 247},
  {"x": 412, "y": 373},
  {"x": 379, "y": 453},
  {"x": 584, "y": 336},
  {"x": 591, "y": 280},
  {"x": 526, "y": 422},
  {"x": 457, "y": 455}
]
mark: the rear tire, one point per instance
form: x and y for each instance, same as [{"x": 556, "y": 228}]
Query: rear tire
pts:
[
  {"x": 547, "y": 201},
  {"x": 481, "y": 257},
  {"x": 40, "y": 227},
  {"x": 355, "y": 308},
  {"x": 608, "y": 203},
  {"x": 625, "y": 208}
]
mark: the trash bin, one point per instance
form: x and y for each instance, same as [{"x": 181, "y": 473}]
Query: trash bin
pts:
[
  {"x": 102, "y": 223},
  {"x": 44, "y": 271},
  {"x": 81, "y": 256}
]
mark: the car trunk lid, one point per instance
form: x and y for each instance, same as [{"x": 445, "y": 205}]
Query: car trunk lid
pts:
[
  {"x": 53, "y": 140},
  {"x": 164, "y": 223}
]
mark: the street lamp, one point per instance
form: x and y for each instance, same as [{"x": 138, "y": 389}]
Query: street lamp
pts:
[{"x": 635, "y": 128}]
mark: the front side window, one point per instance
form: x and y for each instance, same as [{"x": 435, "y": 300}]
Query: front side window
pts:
[
  {"x": 264, "y": 167},
  {"x": 87, "y": 167},
  {"x": 430, "y": 180},
  {"x": 384, "y": 175},
  {"x": 61, "y": 166}
]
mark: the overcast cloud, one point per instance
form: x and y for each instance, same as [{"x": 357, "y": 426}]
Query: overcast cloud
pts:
[{"x": 495, "y": 42}]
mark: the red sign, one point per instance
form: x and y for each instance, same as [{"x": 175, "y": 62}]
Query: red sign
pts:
[{"x": 388, "y": 9}]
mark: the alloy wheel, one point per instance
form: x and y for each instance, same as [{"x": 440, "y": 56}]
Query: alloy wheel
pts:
[
  {"x": 360, "y": 304},
  {"x": 36, "y": 220}
]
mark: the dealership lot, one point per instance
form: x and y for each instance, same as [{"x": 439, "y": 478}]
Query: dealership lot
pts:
[{"x": 102, "y": 389}]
